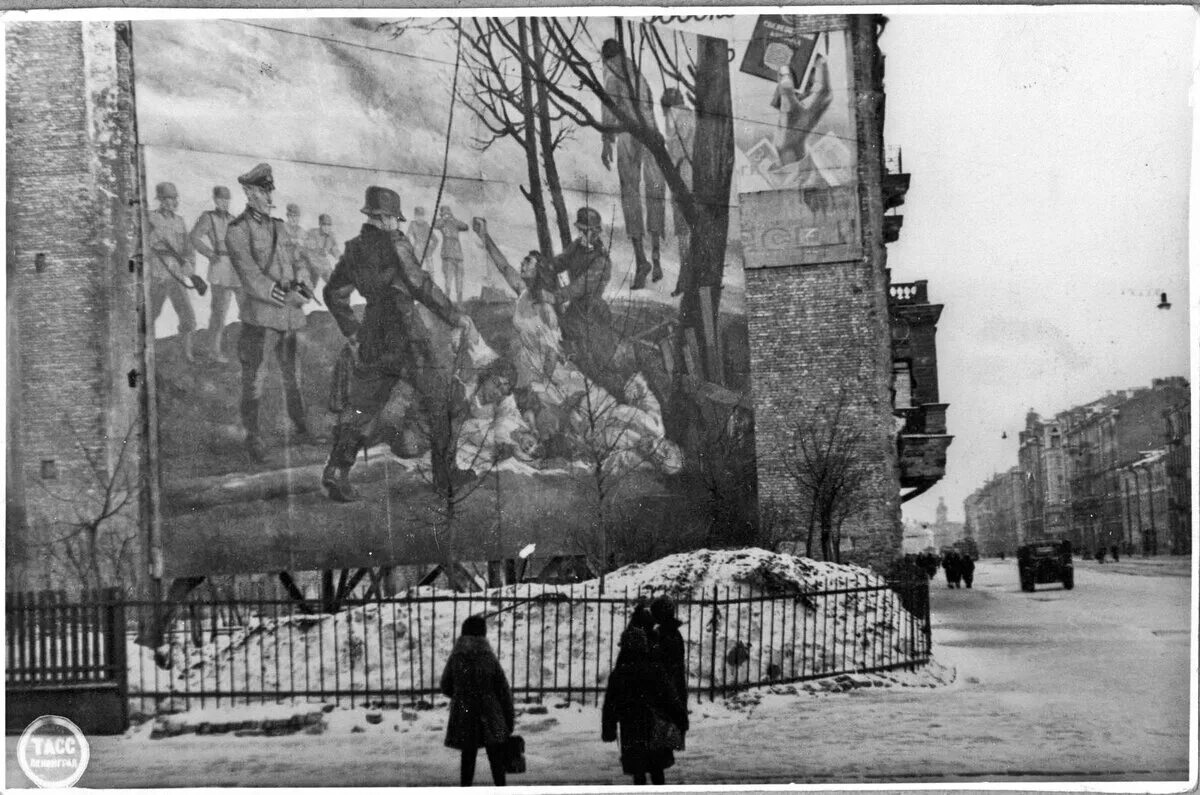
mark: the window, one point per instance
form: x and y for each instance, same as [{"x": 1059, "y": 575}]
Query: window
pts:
[{"x": 902, "y": 385}]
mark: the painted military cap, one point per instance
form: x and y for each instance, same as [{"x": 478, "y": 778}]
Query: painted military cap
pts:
[
  {"x": 293, "y": 208},
  {"x": 259, "y": 176},
  {"x": 611, "y": 48},
  {"x": 382, "y": 201},
  {"x": 324, "y": 218},
  {"x": 587, "y": 218},
  {"x": 166, "y": 190},
  {"x": 221, "y": 192}
]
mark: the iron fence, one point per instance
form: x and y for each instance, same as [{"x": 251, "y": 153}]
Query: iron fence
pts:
[{"x": 562, "y": 640}]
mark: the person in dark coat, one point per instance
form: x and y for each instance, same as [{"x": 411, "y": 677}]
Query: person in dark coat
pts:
[
  {"x": 668, "y": 650},
  {"x": 637, "y": 688},
  {"x": 390, "y": 342},
  {"x": 951, "y": 564},
  {"x": 967, "y": 568},
  {"x": 481, "y": 705}
]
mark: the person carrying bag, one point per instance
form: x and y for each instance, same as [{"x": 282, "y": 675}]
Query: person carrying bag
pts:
[
  {"x": 481, "y": 705},
  {"x": 642, "y": 703}
]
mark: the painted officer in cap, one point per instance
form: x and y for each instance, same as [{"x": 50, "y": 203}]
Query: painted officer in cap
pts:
[
  {"x": 391, "y": 340},
  {"x": 172, "y": 264},
  {"x": 208, "y": 238},
  {"x": 274, "y": 293}
]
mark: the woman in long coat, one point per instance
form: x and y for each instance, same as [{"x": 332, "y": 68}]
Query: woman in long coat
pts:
[
  {"x": 637, "y": 689},
  {"x": 481, "y": 706},
  {"x": 669, "y": 651}
]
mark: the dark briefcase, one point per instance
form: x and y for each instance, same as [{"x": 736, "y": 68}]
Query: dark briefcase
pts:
[{"x": 514, "y": 754}]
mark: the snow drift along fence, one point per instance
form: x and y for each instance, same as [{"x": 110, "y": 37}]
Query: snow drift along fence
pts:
[{"x": 560, "y": 640}]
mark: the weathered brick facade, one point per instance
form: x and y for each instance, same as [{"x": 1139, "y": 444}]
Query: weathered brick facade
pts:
[
  {"x": 72, "y": 294},
  {"x": 820, "y": 331}
]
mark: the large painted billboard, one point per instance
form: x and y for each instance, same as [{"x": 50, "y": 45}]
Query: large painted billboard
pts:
[
  {"x": 439, "y": 289},
  {"x": 797, "y": 146}
]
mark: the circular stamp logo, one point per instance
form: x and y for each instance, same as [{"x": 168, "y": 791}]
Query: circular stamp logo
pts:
[{"x": 53, "y": 752}]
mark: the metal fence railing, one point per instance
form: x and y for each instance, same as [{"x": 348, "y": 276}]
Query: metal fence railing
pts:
[
  {"x": 51, "y": 640},
  {"x": 550, "y": 639}
]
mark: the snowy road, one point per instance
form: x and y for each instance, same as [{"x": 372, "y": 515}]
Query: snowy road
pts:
[{"x": 1090, "y": 684}]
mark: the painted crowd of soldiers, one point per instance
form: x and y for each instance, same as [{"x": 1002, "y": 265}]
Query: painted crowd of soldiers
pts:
[{"x": 271, "y": 268}]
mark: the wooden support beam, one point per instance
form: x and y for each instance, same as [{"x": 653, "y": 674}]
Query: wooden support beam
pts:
[
  {"x": 691, "y": 353},
  {"x": 713, "y": 349},
  {"x": 668, "y": 357}
]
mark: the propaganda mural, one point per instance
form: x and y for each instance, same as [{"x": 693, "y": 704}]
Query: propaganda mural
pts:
[{"x": 440, "y": 289}]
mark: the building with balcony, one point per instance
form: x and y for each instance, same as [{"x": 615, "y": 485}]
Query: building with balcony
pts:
[{"x": 920, "y": 416}]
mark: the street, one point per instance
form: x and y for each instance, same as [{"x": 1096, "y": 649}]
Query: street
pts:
[{"x": 1089, "y": 684}]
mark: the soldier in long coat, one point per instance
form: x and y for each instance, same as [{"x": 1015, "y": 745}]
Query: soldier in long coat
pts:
[
  {"x": 584, "y": 315},
  {"x": 391, "y": 341},
  {"x": 452, "y": 253},
  {"x": 172, "y": 264},
  {"x": 321, "y": 249},
  {"x": 481, "y": 705},
  {"x": 208, "y": 238},
  {"x": 274, "y": 293}
]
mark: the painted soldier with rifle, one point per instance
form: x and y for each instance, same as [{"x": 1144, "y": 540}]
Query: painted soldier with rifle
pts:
[
  {"x": 172, "y": 270},
  {"x": 275, "y": 292},
  {"x": 208, "y": 238}
]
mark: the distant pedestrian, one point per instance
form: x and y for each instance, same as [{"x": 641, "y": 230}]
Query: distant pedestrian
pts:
[
  {"x": 641, "y": 702},
  {"x": 481, "y": 705},
  {"x": 1115, "y": 549},
  {"x": 950, "y": 564},
  {"x": 967, "y": 568},
  {"x": 1100, "y": 555},
  {"x": 669, "y": 651}
]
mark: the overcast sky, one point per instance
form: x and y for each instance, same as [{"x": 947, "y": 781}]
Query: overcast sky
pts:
[{"x": 1050, "y": 155}]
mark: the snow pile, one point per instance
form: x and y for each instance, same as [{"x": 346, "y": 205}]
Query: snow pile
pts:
[{"x": 749, "y": 617}]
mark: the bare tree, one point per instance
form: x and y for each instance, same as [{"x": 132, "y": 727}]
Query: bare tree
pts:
[
  {"x": 94, "y": 540},
  {"x": 724, "y": 468},
  {"x": 445, "y": 426},
  {"x": 822, "y": 454},
  {"x": 507, "y": 95},
  {"x": 611, "y": 433}
]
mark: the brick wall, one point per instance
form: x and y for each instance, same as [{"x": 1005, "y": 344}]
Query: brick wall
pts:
[
  {"x": 72, "y": 298},
  {"x": 817, "y": 331}
]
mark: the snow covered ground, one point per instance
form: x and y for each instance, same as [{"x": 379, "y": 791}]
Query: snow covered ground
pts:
[{"x": 1087, "y": 685}]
